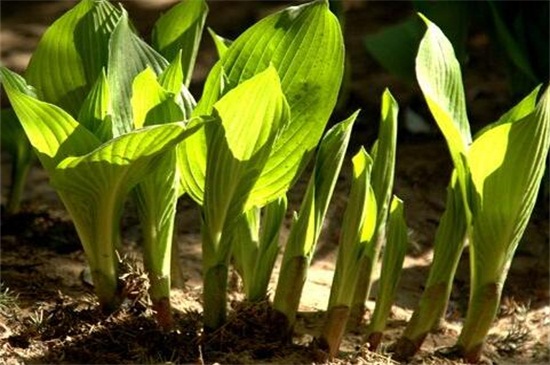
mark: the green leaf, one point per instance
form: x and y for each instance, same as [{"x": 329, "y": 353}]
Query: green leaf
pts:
[
  {"x": 172, "y": 80},
  {"x": 304, "y": 44},
  {"x": 128, "y": 56},
  {"x": 240, "y": 145},
  {"x": 383, "y": 168},
  {"x": 95, "y": 113},
  {"x": 181, "y": 29},
  {"x": 358, "y": 227},
  {"x": 440, "y": 79},
  {"x": 52, "y": 132},
  {"x": 392, "y": 265},
  {"x": 151, "y": 103},
  {"x": 113, "y": 164},
  {"x": 507, "y": 160},
  {"x": 439, "y": 76},
  {"x": 321, "y": 185},
  {"x": 307, "y": 225},
  {"x": 71, "y": 54},
  {"x": 222, "y": 44}
]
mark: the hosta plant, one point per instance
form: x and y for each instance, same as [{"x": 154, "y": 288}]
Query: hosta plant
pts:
[
  {"x": 363, "y": 229},
  {"x": 113, "y": 83},
  {"x": 91, "y": 178},
  {"x": 283, "y": 76},
  {"x": 491, "y": 196}
]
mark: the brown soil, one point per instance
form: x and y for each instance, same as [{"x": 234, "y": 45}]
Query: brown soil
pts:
[{"x": 48, "y": 313}]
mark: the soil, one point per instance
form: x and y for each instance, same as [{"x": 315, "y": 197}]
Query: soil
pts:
[{"x": 48, "y": 313}]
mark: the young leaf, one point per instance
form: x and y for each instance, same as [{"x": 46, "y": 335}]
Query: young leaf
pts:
[
  {"x": 507, "y": 160},
  {"x": 307, "y": 225},
  {"x": 180, "y": 29},
  {"x": 171, "y": 79},
  {"x": 128, "y": 56},
  {"x": 439, "y": 76},
  {"x": 222, "y": 44},
  {"x": 394, "y": 255},
  {"x": 71, "y": 54},
  {"x": 250, "y": 116},
  {"x": 151, "y": 103},
  {"x": 358, "y": 227},
  {"x": 383, "y": 170},
  {"x": 95, "y": 113},
  {"x": 450, "y": 239},
  {"x": 304, "y": 44}
]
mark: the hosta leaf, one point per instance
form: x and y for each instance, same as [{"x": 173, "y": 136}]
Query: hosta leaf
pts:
[
  {"x": 181, "y": 29},
  {"x": 440, "y": 79},
  {"x": 109, "y": 172},
  {"x": 95, "y": 113},
  {"x": 128, "y": 56},
  {"x": 306, "y": 229},
  {"x": 383, "y": 167},
  {"x": 222, "y": 44},
  {"x": 439, "y": 76},
  {"x": 358, "y": 226},
  {"x": 250, "y": 115},
  {"x": 71, "y": 54},
  {"x": 507, "y": 161},
  {"x": 151, "y": 103},
  {"x": 172, "y": 80},
  {"x": 52, "y": 132},
  {"x": 304, "y": 43},
  {"x": 392, "y": 264}
]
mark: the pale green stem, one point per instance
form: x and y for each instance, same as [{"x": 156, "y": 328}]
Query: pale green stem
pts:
[
  {"x": 99, "y": 238},
  {"x": 367, "y": 266},
  {"x": 216, "y": 256},
  {"x": 292, "y": 278},
  {"x": 20, "y": 170},
  {"x": 482, "y": 310}
]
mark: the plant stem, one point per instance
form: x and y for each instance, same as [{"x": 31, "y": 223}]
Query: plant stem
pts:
[
  {"x": 333, "y": 330},
  {"x": 215, "y": 297},
  {"x": 364, "y": 283},
  {"x": 482, "y": 310},
  {"x": 97, "y": 226},
  {"x": 293, "y": 274},
  {"x": 19, "y": 172},
  {"x": 451, "y": 236}
]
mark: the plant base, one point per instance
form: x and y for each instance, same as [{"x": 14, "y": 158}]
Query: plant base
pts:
[{"x": 163, "y": 313}]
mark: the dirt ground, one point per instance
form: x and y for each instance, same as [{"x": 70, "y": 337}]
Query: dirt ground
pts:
[{"x": 48, "y": 313}]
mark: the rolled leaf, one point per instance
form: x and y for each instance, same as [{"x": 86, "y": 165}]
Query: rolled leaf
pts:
[
  {"x": 307, "y": 225},
  {"x": 392, "y": 264}
]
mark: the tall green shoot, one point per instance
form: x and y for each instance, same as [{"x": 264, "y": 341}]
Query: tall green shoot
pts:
[
  {"x": 485, "y": 171},
  {"x": 304, "y": 46},
  {"x": 307, "y": 224}
]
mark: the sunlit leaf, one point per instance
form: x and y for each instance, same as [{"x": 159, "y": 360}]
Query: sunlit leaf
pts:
[
  {"x": 181, "y": 29},
  {"x": 69, "y": 57}
]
